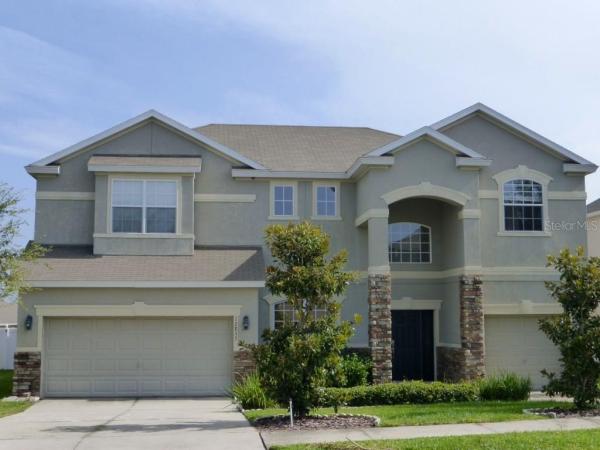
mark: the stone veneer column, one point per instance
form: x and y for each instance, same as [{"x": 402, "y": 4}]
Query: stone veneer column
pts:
[
  {"x": 472, "y": 333},
  {"x": 243, "y": 364},
  {"x": 380, "y": 326},
  {"x": 467, "y": 361},
  {"x": 27, "y": 374}
]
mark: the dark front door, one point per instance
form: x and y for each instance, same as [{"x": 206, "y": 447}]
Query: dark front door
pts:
[{"x": 412, "y": 332}]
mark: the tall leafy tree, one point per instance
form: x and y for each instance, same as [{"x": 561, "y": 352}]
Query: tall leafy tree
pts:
[
  {"x": 576, "y": 332},
  {"x": 12, "y": 281},
  {"x": 295, "y": 360}
]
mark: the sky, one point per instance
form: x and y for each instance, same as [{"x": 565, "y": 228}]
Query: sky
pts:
[{"x": 70, "y": 69}]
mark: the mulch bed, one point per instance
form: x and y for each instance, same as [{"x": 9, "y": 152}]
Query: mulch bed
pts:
[
  {"x": 282, "y": 423},
  {"x": 562, "y": 413}
]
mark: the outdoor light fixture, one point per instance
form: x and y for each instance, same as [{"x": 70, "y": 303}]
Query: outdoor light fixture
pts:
[
  {"x": 28, "y": 322},
  {"x": 246, "y": 322}
]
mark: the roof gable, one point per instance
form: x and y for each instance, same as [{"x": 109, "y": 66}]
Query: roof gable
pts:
[
  {"x": 515, "y": 127},
  {"x": 426, "y": 133},
  {"x": 136, "y": 121}
]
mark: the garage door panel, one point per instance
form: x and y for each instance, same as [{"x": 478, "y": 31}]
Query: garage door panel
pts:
[
  {"x": 515, "y": 344},
  {"x": 137, "y": 357}
]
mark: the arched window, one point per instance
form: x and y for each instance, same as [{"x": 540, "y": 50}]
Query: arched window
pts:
[
  {"x": 284, "y": 313},
  {"x": 409, "y": 243},
  {"x": 523, "y": 205}
]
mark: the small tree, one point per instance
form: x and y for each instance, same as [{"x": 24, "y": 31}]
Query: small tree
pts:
[
  {"x": 576, "y": 332},
  {"x": 12, "y": 280},
  {"x": 295, "y": 360}
]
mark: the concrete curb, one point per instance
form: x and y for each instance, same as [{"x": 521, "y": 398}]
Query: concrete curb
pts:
[{"x": 271, "y": 438}]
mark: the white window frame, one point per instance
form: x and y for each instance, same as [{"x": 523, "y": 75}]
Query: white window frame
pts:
[
  {"x": 144, "y": 179},
  {"x": 273, "y": 301},
  {"x": 294, "y": 186},
  {"x": 430, "y": 244},
  {"x": 315, "y": 214},
  {"x": 522, "y": 173}
]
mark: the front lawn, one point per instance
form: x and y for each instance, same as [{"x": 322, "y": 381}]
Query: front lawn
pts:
[
  {"x": 557, "y": 440},
  {"x": 9, "y": 408},
  {"x": 431, "y": 414}
]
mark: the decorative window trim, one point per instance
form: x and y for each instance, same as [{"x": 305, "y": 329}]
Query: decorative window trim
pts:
[
  {"x": 294, "y": 185},
  {"x": 145, "y": 177},
  {"x": 522, "y": 172},
  {"x": 430, "y": 246},
  {"x": 336, "y": 186}
]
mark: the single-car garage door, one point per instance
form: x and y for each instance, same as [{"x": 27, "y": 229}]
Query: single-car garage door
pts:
[
  {"x": 516, "y": 344},
  {"x": 137, "y": 357}
]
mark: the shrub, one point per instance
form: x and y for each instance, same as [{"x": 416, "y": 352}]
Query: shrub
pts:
[
  {"x": 576, "y": 332},
  {"x": 417, "y": 392},
  {"x": 354, "y": 371},
  {"x": 505, "y": 386},
  {"x": 250, "y": 394}
]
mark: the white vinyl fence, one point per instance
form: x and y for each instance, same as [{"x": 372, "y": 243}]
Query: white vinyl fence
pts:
[{"x": 8, "y": 345}]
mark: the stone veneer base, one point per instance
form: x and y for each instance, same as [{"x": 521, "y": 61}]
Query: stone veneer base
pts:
[
  {"x": 27, "y": 374},
  {"x": 243, "y": 364}
]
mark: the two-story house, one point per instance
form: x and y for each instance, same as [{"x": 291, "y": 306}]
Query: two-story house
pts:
[{"x": 156, "y": 268}]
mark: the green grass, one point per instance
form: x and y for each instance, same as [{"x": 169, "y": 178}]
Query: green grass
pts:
[
  {"x": 556, "y": 440},
  {"x": 436, "y": 413},
  {"x": 9, "y": 408}
]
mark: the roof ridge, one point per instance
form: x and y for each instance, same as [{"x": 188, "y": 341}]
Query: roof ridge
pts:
[{"x": 267, "y": 125}]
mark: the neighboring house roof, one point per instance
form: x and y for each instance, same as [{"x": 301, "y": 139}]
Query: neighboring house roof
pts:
[
  {"x": 480, "y": 108},
  {"x": 300, "y": 148},
  {"x": 136, "y": 121},
  {"x": 8, "y": 313},
  {"x": 76, "y": 266},
  {"x": 593, "y": 207}
]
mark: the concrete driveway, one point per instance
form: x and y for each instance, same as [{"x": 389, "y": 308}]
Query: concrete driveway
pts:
[{"x": 129, "y": 424}]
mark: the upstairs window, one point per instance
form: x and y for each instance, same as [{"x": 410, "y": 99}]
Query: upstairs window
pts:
[
  {"x": 326, "y": 199},
  {"x": 283, "y": 200},
  {"x": 144, "y": 206},
  {"x": 523, "y": 206},
  {"x": 284, "y": 313},
  {"x": 409, "y": 243}
]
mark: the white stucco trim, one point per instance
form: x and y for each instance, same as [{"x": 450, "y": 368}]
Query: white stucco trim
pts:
[
  {"x": 139, "y": 120},
  {"x": 522, "y": 172},
  {"x": 68, "y": 195},
  {"x": 379, "y": 270},
  {"x": 511, "y": 124},
  {"x": 449, "y": 345},
  {"x": 469, "y": 214},
  {"x": 225, "y": 198},
  {"x": 579, "y": 169},
  {"x": 334, "y": 184},
  {"x": 524, "y": 307},
  {"x": 144, "y": 284},
  {"x": 145, "y": 235},
  {"x": 373, "y": 213},
  {"x": 499, "y": 273},
  {"x": 120, "y": 168},
  {"x": 137, "y": 309},
  {"x": 426, "y": 189},
  {"x": 472, "y": 163},
  {"x": 42, "y": 170},
  {"x": 552, "y": 195},
  {"x": 413, "y": 304}
]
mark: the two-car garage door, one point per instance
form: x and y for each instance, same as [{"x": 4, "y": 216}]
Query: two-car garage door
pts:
[
  {"x": 516, "y": 344},
  {"x": 108, "y": 357}
]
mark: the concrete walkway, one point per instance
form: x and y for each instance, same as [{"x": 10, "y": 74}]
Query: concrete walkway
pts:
[
  {"x": 148, "y": 424},
  {"x": 271, "y": 438}
]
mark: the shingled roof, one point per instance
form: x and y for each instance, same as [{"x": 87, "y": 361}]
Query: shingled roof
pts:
[
  {"x": 77, "y": 264},
  {"x": 299, "y": 148}
]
